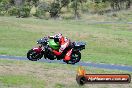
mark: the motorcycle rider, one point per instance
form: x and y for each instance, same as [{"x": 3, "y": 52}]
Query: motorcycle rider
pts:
[{"x": 63, "y": 42}]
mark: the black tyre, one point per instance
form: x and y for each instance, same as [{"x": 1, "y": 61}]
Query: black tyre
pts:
[
  {"x": 33, "y": 56},
  {"x": 81, "y": 80},
  {"x": 75, "y": 57}
]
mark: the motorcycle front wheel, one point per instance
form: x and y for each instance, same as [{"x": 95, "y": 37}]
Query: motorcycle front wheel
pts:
[{"x": 34, "y": 56}]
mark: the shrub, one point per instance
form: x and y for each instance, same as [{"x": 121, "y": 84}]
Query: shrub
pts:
[
  {"x": 54, "y": 9},
  {"x": 98, "y": 8},
  {"x": 4, "y": 6},
  {"x": 13, "y": 11},
  {"x": 24, "y": 11},
  {"x": 42, "y": 10}
]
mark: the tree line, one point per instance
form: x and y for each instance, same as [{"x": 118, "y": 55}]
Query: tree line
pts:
[{"x": 54, "y": 8}]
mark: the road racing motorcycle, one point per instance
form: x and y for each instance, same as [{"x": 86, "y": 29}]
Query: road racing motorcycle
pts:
[{"x": 73, "y": 50}]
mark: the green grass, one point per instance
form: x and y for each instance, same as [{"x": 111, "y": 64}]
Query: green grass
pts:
[
  {"x": 20, "y": 80},
  {"x": 27, "y": 74},
  {"x": 106, "y": 43},
  {"x": 117, "y": 16}
]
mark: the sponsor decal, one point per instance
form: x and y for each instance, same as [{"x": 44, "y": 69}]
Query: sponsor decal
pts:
[{"x": 83, "y": 78}]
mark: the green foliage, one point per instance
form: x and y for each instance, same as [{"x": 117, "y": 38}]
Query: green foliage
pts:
[
  {"x": 76, "y": 5},
  {"x": 5, "y": 1},
  {"x": 97, "y": 7},
  {"x": 64, "y": 2},
  {"x": 24, "y": 11},
  {"x": 13, "y": 11},
  {"x": 54, "y": 9},
  {"x": 4, "y": 6},
  {"x": 97, "y": 1},
  {"x": 8, "y": 8},
  {"x": 32, "y": 2},
  {"x": 42, "y": 9},
  {"x": 2, "y": 9}
]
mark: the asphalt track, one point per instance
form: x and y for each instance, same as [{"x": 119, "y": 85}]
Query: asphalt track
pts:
[{"x": 89, "y": 64}]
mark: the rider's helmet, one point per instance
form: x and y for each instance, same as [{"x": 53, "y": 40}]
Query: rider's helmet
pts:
[{"x": 57, "y": 37}]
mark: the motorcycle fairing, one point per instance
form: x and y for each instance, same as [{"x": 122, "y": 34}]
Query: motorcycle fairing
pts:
[
  {"x": 37, "y": 49},
  {"x": 53, "y": 44}
]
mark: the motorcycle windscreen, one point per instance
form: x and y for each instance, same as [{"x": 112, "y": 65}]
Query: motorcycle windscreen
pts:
[{"x": 53, "y": 44}]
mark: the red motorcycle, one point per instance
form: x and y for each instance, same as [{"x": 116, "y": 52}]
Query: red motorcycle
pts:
[{"x": 73, "y": 51}]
